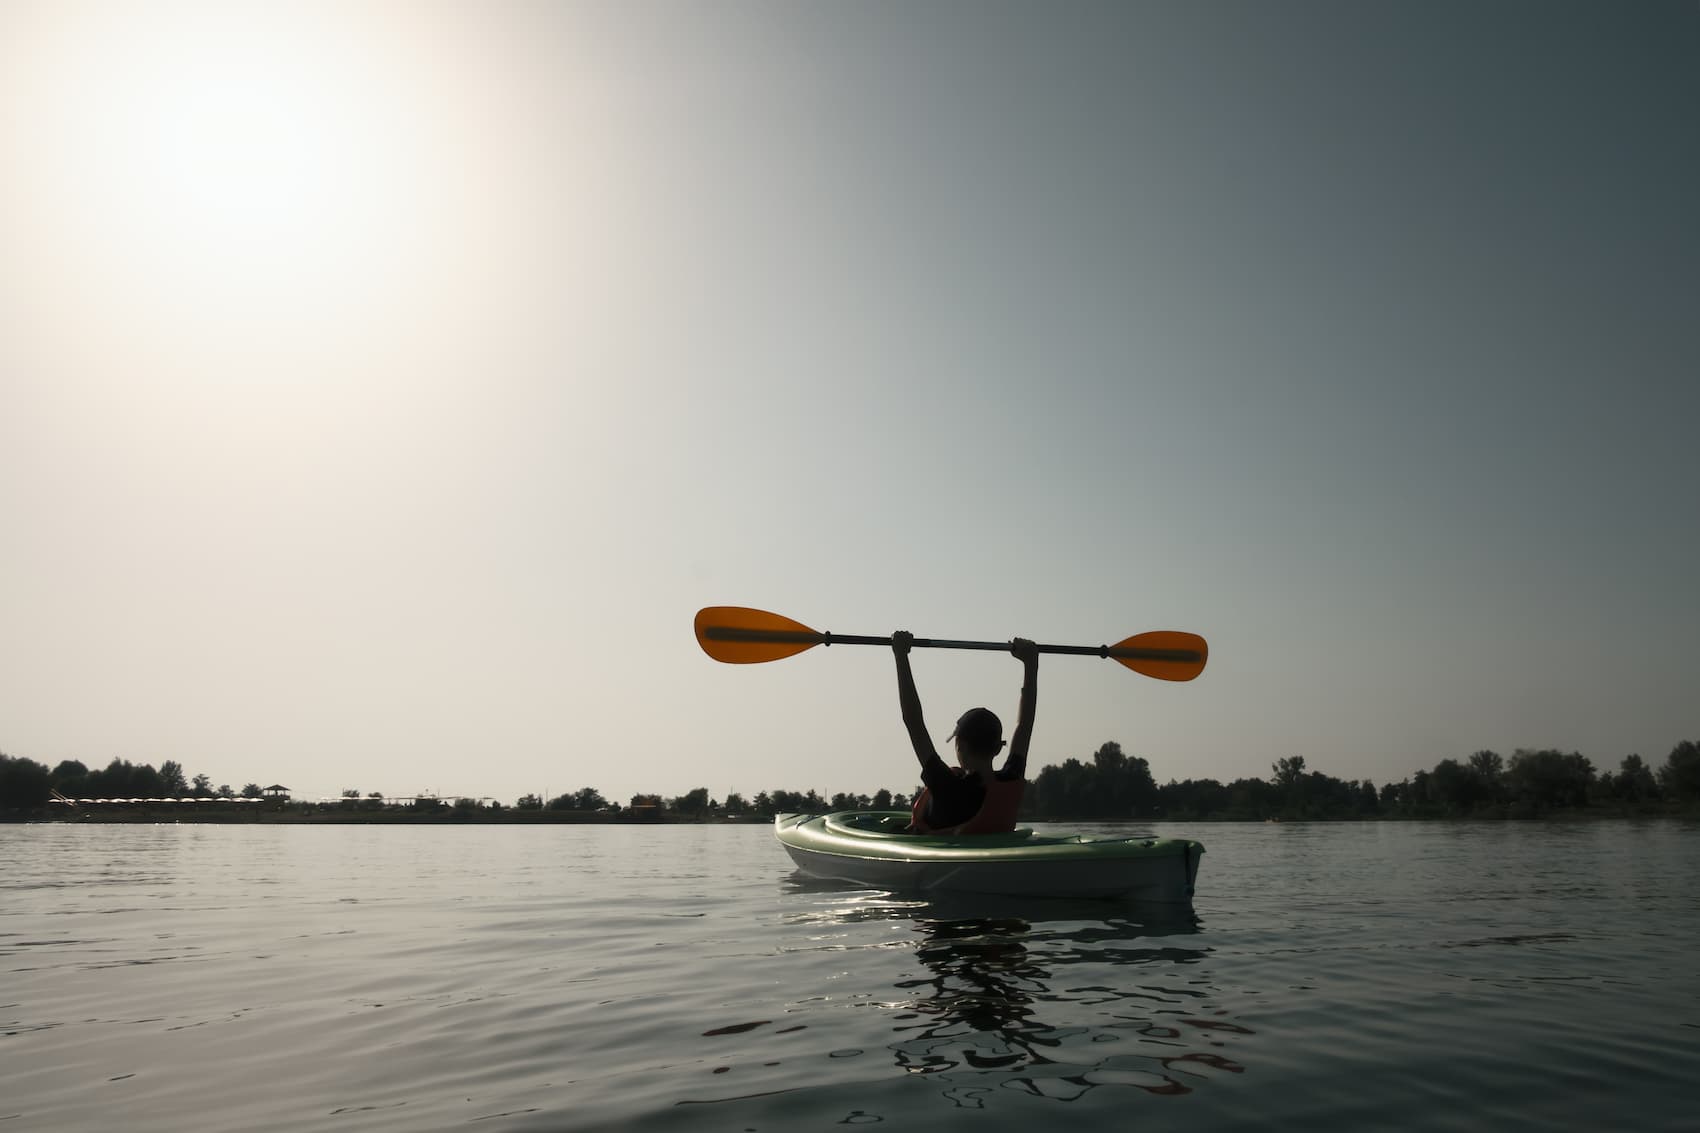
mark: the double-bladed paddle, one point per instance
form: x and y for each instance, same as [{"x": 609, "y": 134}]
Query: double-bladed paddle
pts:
[{"x": 739, "y": 635}]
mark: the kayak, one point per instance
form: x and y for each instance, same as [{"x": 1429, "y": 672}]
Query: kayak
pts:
[{"x": 869, "y": 848}]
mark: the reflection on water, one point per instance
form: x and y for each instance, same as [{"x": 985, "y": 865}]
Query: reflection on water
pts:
[{"x": 1052, "y": 999}]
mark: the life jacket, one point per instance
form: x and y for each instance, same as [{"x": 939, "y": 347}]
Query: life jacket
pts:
[{"x": 995, "y": 816}]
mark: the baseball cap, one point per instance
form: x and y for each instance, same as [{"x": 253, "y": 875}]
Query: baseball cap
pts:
[{"x": 980, "y": 727}]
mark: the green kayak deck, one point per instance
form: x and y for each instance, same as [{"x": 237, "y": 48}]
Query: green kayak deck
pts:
[{"x": 870, "y": 848}]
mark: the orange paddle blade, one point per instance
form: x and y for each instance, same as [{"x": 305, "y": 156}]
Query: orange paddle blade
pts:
[
  {"x": 1167, "y": 654},
  {"x": 739, "y": 635}
]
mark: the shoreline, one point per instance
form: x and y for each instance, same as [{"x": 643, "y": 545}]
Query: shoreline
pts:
[{"x": 313, "y": 814}]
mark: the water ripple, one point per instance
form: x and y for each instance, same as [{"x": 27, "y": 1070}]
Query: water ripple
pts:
[{"x": 572, "y": 978}]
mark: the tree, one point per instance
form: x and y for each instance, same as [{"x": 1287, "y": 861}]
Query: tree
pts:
[
  {"x": 254, "y": 791},
  {"x": 529, "y": 802},
  {"x": 1367, "y": 802},
  {"x": 1121, "y": 784},
  {"x": 1059, "y": 791},
  {"x": 1133, "y": 789},
  {"x": 1680, "y": 776},
  {"x": 694, "y": 802},
  {"x": 71, "y": 778},
  {"x": 1417, "y": 798},
  {"x": 585, "y": 798},
  {"x": 24, "y": 784},
  {"x": 1113, "y": 787},
  {"x": 882, "y": 799},
  {"x": 1252, "y": 798},
  {"x": 1289, "y": 771},
  {"x": 1109, "y": 759},
  {"x": 1634, "y": 782},
  {"x": 1543, "y": 779},
  {"x": 1489, "y": 766},
  {"x": 145, "y": 782},
  {"x": 1291, "y": 786},
  {"x": 202, "y": 786},
  {"x": 1454, "y": 787},
  {"x": 122, "y": 779},
  {"x": 1192, "y": 798},
  {"x": 171, "y": 780}
]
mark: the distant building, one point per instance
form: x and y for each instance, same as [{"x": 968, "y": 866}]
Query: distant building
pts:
[{"x": 276, "y": 793}]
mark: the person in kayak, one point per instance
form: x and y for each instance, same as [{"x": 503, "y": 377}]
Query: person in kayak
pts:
[{"x": 972, "y": 797}]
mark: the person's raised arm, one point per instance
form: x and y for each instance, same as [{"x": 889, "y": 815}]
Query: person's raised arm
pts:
[
  {"x": 909, "y": 700},
  {"x": 1028, "y": 654}
]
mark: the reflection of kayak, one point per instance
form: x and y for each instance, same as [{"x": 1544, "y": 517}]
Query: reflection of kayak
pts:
[{"x": 869, "y": 848}]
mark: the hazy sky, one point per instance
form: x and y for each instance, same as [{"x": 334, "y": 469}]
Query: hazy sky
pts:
[{"x": 383, "y": 388}]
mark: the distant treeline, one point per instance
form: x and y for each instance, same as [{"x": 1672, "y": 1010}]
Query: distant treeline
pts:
[
  {"x": 26, "y": 784},
  {"x": 1486, "y": 785},
  {"x": 1111, "y": 786}
]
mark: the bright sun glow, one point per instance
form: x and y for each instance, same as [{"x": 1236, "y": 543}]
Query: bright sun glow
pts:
[
  {"x": 236, "y": 160},
  {"x": 239, "y": 158}
]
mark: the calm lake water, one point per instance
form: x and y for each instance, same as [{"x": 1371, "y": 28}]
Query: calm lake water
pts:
[{"x": 1492, "y": 976}]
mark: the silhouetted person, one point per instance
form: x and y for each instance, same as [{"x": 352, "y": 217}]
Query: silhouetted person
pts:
[{"x": 971, "y": 798}]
